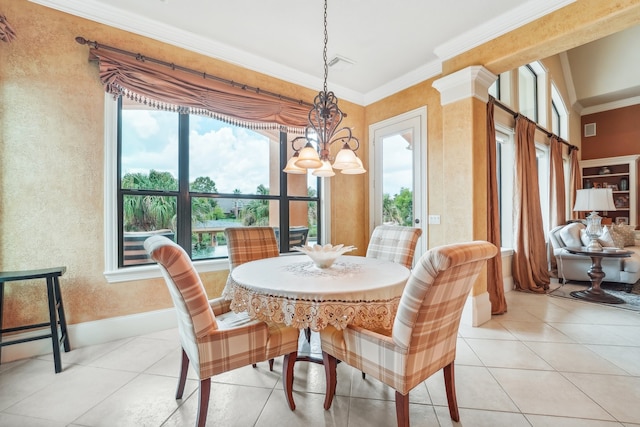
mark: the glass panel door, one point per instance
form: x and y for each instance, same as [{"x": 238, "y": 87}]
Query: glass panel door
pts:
[{"x": 398, "y": 176}]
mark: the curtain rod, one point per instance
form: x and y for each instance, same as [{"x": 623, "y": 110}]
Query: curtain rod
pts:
[
  {"x": 140, "y": 57},
  {"x": 540, "y": 128}
]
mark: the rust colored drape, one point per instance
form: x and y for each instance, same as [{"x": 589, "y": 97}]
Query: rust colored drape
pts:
[
  {"x": 556, "y": 183},
  {"x": 557, "y": 202},
  {"x": 494, "y": 265},
  {"x": 530, "y": 272},
  {"x": 175, "y": 90},
  {"x": 575, "y": 180}
]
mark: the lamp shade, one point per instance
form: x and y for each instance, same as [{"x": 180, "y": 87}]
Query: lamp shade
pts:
[
  {"x": 325, "y": 170},
  {"x": 594, "y": 199},
  {"x": 308, "y": 158},
  {"x": 346, "y": 159},
  {"x": 355, "y": 171},
  {"x": 292, "y": 168}
]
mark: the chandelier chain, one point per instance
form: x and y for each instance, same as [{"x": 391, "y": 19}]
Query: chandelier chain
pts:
[{"x": 324, "y": 53}]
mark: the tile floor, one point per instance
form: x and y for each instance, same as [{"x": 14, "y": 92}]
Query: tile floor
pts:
[{"x": 547, "y": 362}]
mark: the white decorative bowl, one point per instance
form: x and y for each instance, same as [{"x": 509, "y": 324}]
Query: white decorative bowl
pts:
[{"x": 323, "y": 256}]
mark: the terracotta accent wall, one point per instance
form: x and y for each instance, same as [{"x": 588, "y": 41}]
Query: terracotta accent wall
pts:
[
  {"x": 52, "y": 165},
  {"x": 617, "y": 133}
]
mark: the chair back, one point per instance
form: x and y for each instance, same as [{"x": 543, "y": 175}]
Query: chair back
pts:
[
  {"x": 431, "y": 305},
  {"x": 297, "y": 236},
  {"x": 394, "y": 243},
  {"x": 195, "y": 316},
  {"x": 249, "y": 244}
]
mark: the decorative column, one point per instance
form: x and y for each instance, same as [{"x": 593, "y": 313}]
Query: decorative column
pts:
[{"x": 464, "y": 95}]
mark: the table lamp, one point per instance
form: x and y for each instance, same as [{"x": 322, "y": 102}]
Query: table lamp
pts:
[{"x": 594, "y": 199}]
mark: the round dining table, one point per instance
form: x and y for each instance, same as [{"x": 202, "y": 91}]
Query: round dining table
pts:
[{"x": 292, "y": 290}]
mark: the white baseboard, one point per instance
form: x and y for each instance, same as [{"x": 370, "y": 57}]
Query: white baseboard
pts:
[
  {"x": 477, "y": 310},
  {"x": 92, "y": 333}
]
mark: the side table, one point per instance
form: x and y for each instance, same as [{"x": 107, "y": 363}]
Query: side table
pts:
[
  {"x": 56, "y": 311},
  {"x": 595, "y": 293}
]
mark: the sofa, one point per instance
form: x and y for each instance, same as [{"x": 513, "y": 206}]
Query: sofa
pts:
[{"x": 575, "y": 267}]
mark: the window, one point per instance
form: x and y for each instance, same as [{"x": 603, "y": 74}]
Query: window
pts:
[
  {"x": 528, "y": 92},
  {"x": 559, "y": 114},
  {"x": 532, "y": 98},
  {"x": 501, "y": 88},
  {"x": 505, "y": 166},
  {"x": 543, "y": 163},
  {"x": 189, "y": 177},
  {"x": 494, "y": 89}
]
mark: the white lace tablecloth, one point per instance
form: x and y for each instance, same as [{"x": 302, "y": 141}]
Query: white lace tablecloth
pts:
[{"x": 291, "y": 290}]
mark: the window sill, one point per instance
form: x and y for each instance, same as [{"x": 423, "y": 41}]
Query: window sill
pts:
[
  {"x": 152, "y": 271},
  {"x": 504, "y": 252}
]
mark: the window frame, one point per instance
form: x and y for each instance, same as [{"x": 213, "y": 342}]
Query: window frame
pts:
[
  {"x": 115, "y": 273},
  {"x": 540, "y": 75},
  {"x": 505, "y": 159},
  {"x": 559, "y": 109}
]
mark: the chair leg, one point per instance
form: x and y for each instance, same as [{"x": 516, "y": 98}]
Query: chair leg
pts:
[
  {"x": 203, "y": 402},
  {"x": 287, "y": 377},
  {"x": 255, "y": 365},
  {"x": 330, "y": 364},
  {"x": 402, "y": 409},
  {"x": 184, "y": 367},
  {"x": 450, "y": 385}
]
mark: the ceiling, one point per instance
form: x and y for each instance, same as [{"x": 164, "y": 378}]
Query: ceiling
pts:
[{"x": 391, "y": 45}]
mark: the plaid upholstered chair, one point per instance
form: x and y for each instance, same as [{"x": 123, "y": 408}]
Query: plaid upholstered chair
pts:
[
  {"x": 394, "y": 243},
  {"x": 214, "y": 339},
  {"x": 423, "y": 338},
  {"x": 246, "y": 244},
  {"x": 249, "y": 244}
]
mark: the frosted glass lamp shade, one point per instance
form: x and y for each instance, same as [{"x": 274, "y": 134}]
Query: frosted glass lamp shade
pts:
[
  {"x": 325, "y": 171},
  {"x": 308, "y": 158},
  {"x": 355, "y": 171},
  {"x": 346, "y": 158},
  {"x": 292, "y": 168}
]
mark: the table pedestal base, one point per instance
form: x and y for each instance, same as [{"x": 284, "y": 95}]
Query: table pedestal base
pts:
[{"x": 602, "y": 297}]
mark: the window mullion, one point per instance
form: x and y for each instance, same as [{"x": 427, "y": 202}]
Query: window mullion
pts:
[
  {"x": 283, "y": 198},
  {"x": 183, "y": 223}
]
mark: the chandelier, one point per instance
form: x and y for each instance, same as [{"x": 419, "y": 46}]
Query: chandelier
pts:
[{"x": 311, "y": 151}]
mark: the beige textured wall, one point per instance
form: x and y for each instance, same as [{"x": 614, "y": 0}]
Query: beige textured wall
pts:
[
  {"x": 52, "y": 164},
  {"x": 51, "y": 147}
]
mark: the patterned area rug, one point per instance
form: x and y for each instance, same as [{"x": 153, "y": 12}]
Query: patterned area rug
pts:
[{"x": 629, "y": 293}]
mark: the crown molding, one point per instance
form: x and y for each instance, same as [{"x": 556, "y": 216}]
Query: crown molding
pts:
[
  {"x": 610, "y": 106},
  {"x": 133, "y": 23},
  {"x": 469, "y": 82},
  {"x": 137, "y": 24},
  {"x": 414, "y": 77}
]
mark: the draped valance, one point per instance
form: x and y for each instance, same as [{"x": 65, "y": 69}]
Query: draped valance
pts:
[{"x": 170, "y": 89}]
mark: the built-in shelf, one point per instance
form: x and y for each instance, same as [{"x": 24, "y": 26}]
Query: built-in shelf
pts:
[{"x": 620, "y": 174}]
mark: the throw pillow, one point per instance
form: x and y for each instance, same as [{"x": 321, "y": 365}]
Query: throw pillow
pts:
[
  {"x": 606, "y": 239},
  {"x": 570, "y": 235},
  {"x": 627, "y": 232},
  {"x": 618, "y": 238}
]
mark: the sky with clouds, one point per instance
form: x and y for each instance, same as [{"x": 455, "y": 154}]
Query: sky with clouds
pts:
[{"x": 233, "y": 157}]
